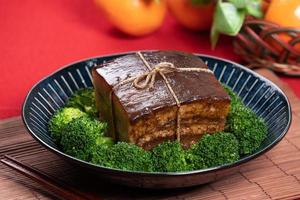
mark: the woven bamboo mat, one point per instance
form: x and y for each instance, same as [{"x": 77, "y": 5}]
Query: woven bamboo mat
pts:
[{"x": 274, "y": 175}]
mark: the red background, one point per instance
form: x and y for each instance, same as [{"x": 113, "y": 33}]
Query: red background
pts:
[{"x": 38, "y": 37}]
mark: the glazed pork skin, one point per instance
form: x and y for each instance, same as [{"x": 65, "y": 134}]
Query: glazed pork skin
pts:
[{"x": 147, "y": 117}]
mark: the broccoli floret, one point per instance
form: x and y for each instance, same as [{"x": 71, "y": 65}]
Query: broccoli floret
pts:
[
  {"x": 216, "y": 149},
  {"x": 169, "y": 157},
  {"x": 101, "y": 156},
  {"x": 249, "y": 129},
  {"x": 84, "y": 99},
  {"x": 235, "y": 100},
  {"x": 194, "y": 161},
  {"x": 81, "y": 137},
  {"x": 104, "y": 141},
  {"x": 60, "y": 120},
  {"x": 123, "y": 156}
]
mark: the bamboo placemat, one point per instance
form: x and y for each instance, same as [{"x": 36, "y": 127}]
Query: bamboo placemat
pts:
[{"x": 274, "y": 175}]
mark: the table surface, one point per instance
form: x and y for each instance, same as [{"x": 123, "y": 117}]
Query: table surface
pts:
[
  {"x": 38, "y": 37},
  {"x": 274, "y": 175}
]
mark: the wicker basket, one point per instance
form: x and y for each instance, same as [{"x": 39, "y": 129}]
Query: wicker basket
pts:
[{"x": 265, "y": 44}]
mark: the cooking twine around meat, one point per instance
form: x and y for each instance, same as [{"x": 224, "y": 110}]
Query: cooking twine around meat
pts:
[{"x": 147, "y": 80}]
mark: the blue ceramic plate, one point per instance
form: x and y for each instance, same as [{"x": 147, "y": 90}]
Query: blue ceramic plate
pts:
[{"x": 257, "y": 92}]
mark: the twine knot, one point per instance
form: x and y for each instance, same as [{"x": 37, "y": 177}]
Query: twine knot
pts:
[{"x": 148, "y": 78}]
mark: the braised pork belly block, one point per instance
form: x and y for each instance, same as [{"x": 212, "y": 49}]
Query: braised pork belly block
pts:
[{"x": 147, "y": 116}]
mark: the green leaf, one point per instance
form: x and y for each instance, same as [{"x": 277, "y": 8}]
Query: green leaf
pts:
[
  {"x": 228, "y": 20},
  {"x": 254, "y": 8},
  {"x": 239, "y": 3},
  {"x": 214, "y": 36}
]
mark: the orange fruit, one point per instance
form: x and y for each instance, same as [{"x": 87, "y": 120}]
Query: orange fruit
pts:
[
  {"x": 285, "y": 13},
  {"x": 197, "y": 17},
  {"x": 134, "y": 17}
]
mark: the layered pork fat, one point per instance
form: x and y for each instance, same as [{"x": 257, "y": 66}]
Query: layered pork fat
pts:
[{"x": 147, "y": 117}]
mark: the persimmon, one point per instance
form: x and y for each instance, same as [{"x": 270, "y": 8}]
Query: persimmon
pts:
[
  {"x": 193, "y": 16},
  {"x": 134, "y": 17},
  {"x": 285, "y": 13}
]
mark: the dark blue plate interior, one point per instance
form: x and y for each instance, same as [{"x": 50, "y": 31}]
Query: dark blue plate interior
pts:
[{"x": 258, "y": 93}]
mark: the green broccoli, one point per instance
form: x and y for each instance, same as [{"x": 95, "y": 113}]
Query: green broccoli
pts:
[
  {"x": 82, "y": 136},
  {"x": 105, "y": 141},
  {"x": 123, "y": 156},
  {"x": 248, "y": 128},
  {"x": 169, "y": 157},
  {"x": 216, "y": 149},
  {"x": 60, "y": 120},
  {"x": 101, "y": 156},
  {"x": 234, "y": 99},
  {"x": 84, "y": 99},
  {"x": 194, "y": 161}
]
